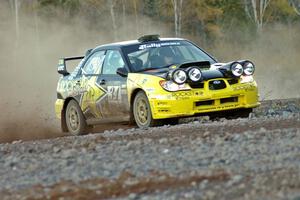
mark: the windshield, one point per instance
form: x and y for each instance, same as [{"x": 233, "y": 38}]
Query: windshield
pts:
[{"x": 162, "y": 54}]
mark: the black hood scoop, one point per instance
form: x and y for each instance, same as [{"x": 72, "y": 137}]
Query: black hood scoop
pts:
[
  {"x": 201, "y": 65},
  {"x": 205, "y": 66}
]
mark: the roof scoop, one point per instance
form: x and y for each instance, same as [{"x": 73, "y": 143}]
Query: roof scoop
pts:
[{"x": 149, "y": 38}]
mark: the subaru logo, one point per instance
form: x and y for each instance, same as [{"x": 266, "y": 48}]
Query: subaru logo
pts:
[{"x": 216, "y": 82}]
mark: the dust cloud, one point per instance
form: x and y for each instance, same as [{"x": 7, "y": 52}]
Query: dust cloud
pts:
[
  {"x": 29, "y": 60},
  {"x": 29, "y": 63},
  {"x": 275, "y": 53}
]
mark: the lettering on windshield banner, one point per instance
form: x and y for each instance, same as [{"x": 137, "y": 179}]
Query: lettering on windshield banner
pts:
[{"x": 154, "y": 45}]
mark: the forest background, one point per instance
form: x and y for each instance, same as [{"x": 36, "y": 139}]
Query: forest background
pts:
[{"x": 34, "y": 34}]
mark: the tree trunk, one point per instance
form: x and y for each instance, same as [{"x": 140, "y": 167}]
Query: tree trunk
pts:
[
  {"x": 296, "y": 6},
  {"x": 177, "y": 16},
  {"x": 255, "y": 10},
  {"x": 12, "y": 6},
  {"x": 113, "y": 18},
  {"x": 124, "y": 12},
  {"x": 17, "y": 21},
  {"x": 15, "y": 61},
  {"x": 136, "y": 17},
  {"x": 36, "y": 25}
]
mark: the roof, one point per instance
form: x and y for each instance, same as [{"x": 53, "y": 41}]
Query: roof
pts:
[{"x": 133, "y": 42}]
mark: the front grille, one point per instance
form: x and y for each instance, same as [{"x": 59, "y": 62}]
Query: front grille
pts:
[
  {"x": 229, "y": 100},
  {"x": 205, "y": 103},
  {"x": 217, "y": 85},
  {"x": 196, "y": 85},
  {"x": 213, "y": 85}
]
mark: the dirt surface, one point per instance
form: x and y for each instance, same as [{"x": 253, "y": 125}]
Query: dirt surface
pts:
[{"x": 254, "y": 158}]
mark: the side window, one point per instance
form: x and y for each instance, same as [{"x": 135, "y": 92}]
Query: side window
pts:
[
  {"x": 112, "y": 62},
  {"x": 94, "y": 63}
]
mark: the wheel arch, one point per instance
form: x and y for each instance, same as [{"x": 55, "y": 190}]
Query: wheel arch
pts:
[
  {"x": 63, "y": 114},
  {"x": 132, "y": 96}
]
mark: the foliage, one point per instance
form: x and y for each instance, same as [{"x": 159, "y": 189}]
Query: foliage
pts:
[{"x": 208, "y": 20}]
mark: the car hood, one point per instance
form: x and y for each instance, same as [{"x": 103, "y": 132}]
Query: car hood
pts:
[{"x": 208, "y": 71}]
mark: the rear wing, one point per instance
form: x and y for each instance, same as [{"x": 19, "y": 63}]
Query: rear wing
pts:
[{"x": 62, "y": 66}]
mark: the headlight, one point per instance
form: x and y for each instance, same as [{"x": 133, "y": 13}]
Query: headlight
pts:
[
  {"x": 249, "y": 68},
  {"x": 173, "y": 87},
  {"x": 194, "y": 74},
  {"x": 237, "y": 69},
  {"x": 179, "y": 76}
]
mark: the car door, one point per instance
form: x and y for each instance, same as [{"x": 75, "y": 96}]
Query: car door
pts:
[
  {"x": 115, "y": 104},
  {"x": 92, "y": 93}
]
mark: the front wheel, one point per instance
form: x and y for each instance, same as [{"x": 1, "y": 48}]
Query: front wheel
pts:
[
  {"x": 75, "y": 120},
  {"x": 142, "y": 111}
]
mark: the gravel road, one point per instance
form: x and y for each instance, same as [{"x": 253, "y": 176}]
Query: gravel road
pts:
[{"x": 254, "y": 158}]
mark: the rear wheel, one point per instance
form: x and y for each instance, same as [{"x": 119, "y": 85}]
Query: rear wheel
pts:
[
  {"x": 75, "y": 120},
  {"x": 142, "y": 111}
]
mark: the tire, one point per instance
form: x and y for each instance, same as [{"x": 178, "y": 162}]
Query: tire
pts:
[
  {"x": 75, "y": 120},
  {"x": 142, "y": 111}
]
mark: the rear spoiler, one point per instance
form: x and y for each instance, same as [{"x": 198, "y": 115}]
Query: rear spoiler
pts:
[{"x": 62, "y": 67}]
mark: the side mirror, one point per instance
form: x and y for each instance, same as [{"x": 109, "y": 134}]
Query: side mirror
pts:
[
  {"x": 62, "y": 69},
  {"x": 122, "y": 72}
]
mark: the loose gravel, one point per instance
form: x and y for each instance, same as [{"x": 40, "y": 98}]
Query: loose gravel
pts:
[{"x": 254, "y": 158}]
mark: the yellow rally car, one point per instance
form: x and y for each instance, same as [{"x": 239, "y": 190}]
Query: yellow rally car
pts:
[{"x": 151, "y": 81}]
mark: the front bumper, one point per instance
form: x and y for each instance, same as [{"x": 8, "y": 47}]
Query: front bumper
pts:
[{"x": 204, "y": 100}]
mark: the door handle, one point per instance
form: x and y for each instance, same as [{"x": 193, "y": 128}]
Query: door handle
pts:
[{"x": 102, "y": 82}]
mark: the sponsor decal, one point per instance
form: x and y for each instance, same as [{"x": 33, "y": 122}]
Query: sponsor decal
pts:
[
  {"x": 216, "y": 82},
  {"x": 244, "y": 87},
  {"x": 182, "y": 95},
  {"x": 72, "y": 88},
  {"x": 219, "y": 107},
  {"x": 150, "y": 89},
  {"x": 155, "y": 45},
  {"x": 200, "y": 93}
]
